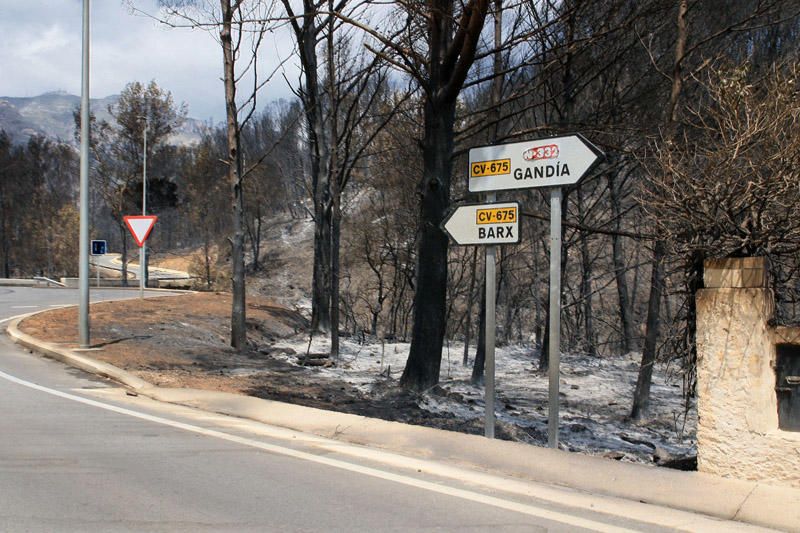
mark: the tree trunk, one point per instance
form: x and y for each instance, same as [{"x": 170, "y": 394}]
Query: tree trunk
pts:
[
  {"x": 480, "y": 350},
  {"x": 307, "y": 37},
  {"x": 238, "y": 318},
  {"x": 618, "y": 258},
  {"x": 424, "y": 360},
  {"x": 586, "y": 285},
  {"x": 123, "y": 234},
  {"x": 207, "y": 259},
  {"x": 334, "y": 184},
  {"x": 641, "y": 395},
  {"x": 470, "y": 298}
]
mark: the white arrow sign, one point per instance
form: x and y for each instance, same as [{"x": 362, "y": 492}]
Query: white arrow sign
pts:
[
  {"x": 484, "y": 224},
  {"x": 140, "y": 227},
  {"x": 548, "y": 162}
]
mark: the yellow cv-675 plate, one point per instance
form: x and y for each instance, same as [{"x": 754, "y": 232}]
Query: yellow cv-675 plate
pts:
[
  {"x": 496, "y": 215},
  {"x": 496, "y": 167}
]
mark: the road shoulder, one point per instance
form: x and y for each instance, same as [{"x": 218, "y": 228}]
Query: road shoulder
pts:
[{"x": 747, "y": 501}]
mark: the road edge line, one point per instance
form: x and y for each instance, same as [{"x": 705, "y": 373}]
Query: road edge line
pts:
[{"x": 759, "y": 505}]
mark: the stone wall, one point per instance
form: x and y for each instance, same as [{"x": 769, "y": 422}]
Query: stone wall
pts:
[{"x": 737, "y": 433}]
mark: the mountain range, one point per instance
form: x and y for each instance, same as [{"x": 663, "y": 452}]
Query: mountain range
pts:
[{"x": 51, "y": 115}]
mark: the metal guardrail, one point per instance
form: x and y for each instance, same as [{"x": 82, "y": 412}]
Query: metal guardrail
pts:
[{"x": 49, "y": 281}]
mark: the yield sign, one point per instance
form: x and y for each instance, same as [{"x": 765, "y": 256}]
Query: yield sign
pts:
[{"x": 140, "y": 227}]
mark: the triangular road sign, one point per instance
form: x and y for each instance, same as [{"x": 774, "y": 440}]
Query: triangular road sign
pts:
[{"x": 140, "y": 227}]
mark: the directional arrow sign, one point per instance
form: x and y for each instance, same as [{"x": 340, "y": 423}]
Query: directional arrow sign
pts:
[
  {"x": 484, "y": 224},
  {"x": 140, "y": 227},
  {"x": 548, "y": 162}
]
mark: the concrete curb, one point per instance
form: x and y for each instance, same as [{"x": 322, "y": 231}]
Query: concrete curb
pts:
[{"x": 746, "y": 501}]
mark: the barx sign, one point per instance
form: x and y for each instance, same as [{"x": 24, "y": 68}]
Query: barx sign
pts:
[{"x": 496, "y": 223}]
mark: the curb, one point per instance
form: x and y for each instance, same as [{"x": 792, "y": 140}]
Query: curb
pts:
[{"x": 745, "y": 501}]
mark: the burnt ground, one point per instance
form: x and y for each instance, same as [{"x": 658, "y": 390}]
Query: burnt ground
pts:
[{"x": 182, "y": 341}]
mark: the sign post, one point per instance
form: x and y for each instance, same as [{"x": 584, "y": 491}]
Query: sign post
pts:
[
  {"x": 140, "y": 227},
  {"x": 554, "y": 356},
  {"x": 98, "y": 248},
  {"x": 551, "y": 162},
  {"x": 491, "y": 328},
  {"x": 487, "y": 224}
]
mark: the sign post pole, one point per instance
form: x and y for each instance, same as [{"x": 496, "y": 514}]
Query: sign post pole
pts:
[
  {"x": 491, "y": 287},
  {"x": 143, "y": 249},
  {"x": 554, "y": 358},
  {"x": 83, "y": 238}
]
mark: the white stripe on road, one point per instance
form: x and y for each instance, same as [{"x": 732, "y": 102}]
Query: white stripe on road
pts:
[
  {"x": 9, "y": 319},
  {"x": 476, "y": 497}
]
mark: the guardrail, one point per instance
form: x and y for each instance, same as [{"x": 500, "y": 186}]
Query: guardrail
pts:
[{"x": 48, "y": 281}]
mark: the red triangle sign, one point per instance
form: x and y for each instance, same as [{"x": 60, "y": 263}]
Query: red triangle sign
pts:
[{"x": 140, "y": 227}]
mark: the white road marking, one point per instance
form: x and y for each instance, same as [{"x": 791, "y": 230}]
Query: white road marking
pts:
[
  {"x": 476, "y": 497},
  {"x": 9, "y": 319}
]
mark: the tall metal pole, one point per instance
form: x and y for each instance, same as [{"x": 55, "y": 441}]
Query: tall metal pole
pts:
[
  {"x": 555, "y": 315},
  {"x": 142, "y": 250},
  {"x": 83, "y": 242},
  {"x": 491, "y": 287}
]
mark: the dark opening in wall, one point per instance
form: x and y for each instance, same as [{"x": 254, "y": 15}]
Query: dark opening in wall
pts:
[{"x": 787, "y": 386}]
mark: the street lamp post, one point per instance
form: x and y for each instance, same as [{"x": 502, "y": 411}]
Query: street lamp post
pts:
[
  {"x": 143, "y": 250},
  {"x": 83, "y": 240}
]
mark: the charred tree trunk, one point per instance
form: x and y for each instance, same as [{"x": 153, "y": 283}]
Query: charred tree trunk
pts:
[
  {"x": 334, "y": 183},
  {"x": 618, "y": 258},
  {"x": 451, "y": 51},
  {"x": 424, "y": 360},
  {"x": 641, "y": 395},
  {"x": 470, "y": 298},
  {"x": 235, "y": 175},
  {"x": 123, "y": 235},
  {"x": 480, "y": 351},
  {"x": 306, "y": 30},
  {"x": 586, "y": 285}
]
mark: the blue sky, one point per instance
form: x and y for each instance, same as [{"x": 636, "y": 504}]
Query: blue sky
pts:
[{"x": 40, "y": 51}]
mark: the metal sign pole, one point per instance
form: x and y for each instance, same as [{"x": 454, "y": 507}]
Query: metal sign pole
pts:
[
  {"x": 142, "y": 249},
  {"x": 555, "y": 315},
  {"x": 83, "y": 240},
  {"x": 489, "y": 365}
]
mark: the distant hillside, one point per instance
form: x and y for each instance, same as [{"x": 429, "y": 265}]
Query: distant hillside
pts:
[{"x": 50, "y": 114}]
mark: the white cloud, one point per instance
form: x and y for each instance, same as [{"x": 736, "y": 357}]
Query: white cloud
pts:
[{"x": 40, "y": 49}]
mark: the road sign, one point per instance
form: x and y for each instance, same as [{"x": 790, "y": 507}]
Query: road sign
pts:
[
  {"x": 495, "y": 223},
  {"x": 99, "y": 248},
  {"x": 550, "y": 162},
  {"x": 140, "y": 227}
]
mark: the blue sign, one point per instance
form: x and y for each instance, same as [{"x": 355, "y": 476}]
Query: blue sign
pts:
[{"x": 98, "y": 247}]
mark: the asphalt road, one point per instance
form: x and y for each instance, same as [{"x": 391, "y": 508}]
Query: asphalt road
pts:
[
  {"x": 114, "y": 262},
  {"x": 78, "y": 454}
]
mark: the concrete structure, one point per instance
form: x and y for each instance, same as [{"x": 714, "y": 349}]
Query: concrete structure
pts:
[{"x": 737, "y": 433}]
